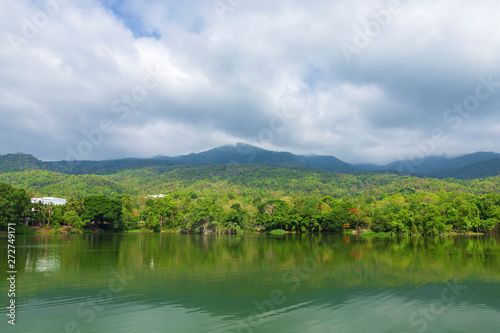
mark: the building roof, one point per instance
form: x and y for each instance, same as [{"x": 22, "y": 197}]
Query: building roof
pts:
[
  {"x": 156, "y": 196},
  {"x": 49, "y": 201}
]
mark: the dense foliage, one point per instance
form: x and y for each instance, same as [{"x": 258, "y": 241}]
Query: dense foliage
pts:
[
  {"x": 233, "y": 198},
  {"x": 20, "y": 162},
  {"x": 15, "y": 205},
  {"x": 266, "y": 181}
]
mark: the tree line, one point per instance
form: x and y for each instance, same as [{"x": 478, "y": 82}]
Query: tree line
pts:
[
  {"x": 225, "y": 211},
  {"x": 266, "y": 181}
]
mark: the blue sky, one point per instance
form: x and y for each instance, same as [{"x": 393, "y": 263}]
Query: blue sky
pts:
[
  {"x": 363, "y": 81},
  {"x": 121, "y": 10}
]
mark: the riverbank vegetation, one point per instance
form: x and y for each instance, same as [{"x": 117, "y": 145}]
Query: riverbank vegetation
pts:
[{"x": 237, "y": 199}]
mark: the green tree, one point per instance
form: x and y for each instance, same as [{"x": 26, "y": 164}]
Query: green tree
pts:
[
  {"x": 102, "y": 212},
  {"x": 15, "y": 204},
  {"x": 204, "y": 217},
  {"x": 72, "y": 219},
  {"x": 160, "y": 212},
  {"x": 274, "y": 215}
]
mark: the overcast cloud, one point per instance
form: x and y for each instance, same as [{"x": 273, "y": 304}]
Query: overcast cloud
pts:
[{"x": 365, "y": 81}]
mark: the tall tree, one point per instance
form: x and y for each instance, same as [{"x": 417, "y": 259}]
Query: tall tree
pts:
[
  {"x": 15, "y": 204},
  {"x": 103, "y": 212}
]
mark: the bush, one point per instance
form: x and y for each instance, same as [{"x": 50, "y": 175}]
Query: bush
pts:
[
  {"x": 277, "y": 232},
  {"x": 369, "y": 233}
]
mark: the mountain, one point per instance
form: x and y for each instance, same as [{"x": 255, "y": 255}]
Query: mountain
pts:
[
  {"x": 243, "y": 153},
  {"x": 229, "y": 154},
  {"x": 437, "y": 165},
  {"x": 19, "y": 162},
  {"x": 476, "y": 165},
  {"x": 483, "y": 169}
]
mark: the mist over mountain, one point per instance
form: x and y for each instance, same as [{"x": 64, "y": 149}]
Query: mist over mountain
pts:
[
  {"x": 482, "y": 169},
  {"x": 433, "y": 164},
  {"x": 475, "y": 165}
]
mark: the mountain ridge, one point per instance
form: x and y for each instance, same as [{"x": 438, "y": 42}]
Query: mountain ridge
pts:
[{"x": 469, "y": 166}]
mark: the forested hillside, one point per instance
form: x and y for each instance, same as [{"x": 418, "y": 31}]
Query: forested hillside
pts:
[
  {"x": 20, "y": 162},
  {"x": 265, "y": 180},
  {"x": 471, "y": 166},
  {"x": 231, "y": 198},
  {"x": 238, "y": 154},
  {"x": 220, "y": 191}
]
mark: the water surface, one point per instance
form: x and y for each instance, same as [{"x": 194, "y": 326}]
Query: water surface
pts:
[{"x": 255, "y": 283}]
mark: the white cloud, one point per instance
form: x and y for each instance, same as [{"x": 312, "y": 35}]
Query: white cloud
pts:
[{"x": 226, "y": 77}]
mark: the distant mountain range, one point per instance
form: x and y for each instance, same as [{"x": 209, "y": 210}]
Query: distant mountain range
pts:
[
  {"x": 476, "y": 165},
  {"x": 470, "y": 166}
]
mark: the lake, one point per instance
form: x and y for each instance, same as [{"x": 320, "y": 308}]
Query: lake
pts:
[{"x": 253, "y": 283}]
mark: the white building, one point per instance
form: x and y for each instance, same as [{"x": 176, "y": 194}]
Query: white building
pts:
[
  {"x": 154, "y": 196},
  {"x": 49, "y": 201}
]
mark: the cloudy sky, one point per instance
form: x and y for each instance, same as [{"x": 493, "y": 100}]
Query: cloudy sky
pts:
[{"x": 365, "y": 81}]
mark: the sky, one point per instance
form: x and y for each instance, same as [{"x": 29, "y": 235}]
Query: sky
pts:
[{"x": 365, "y": 81}]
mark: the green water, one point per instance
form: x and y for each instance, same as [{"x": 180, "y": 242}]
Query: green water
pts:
[{"x": 185, "y": 283}]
